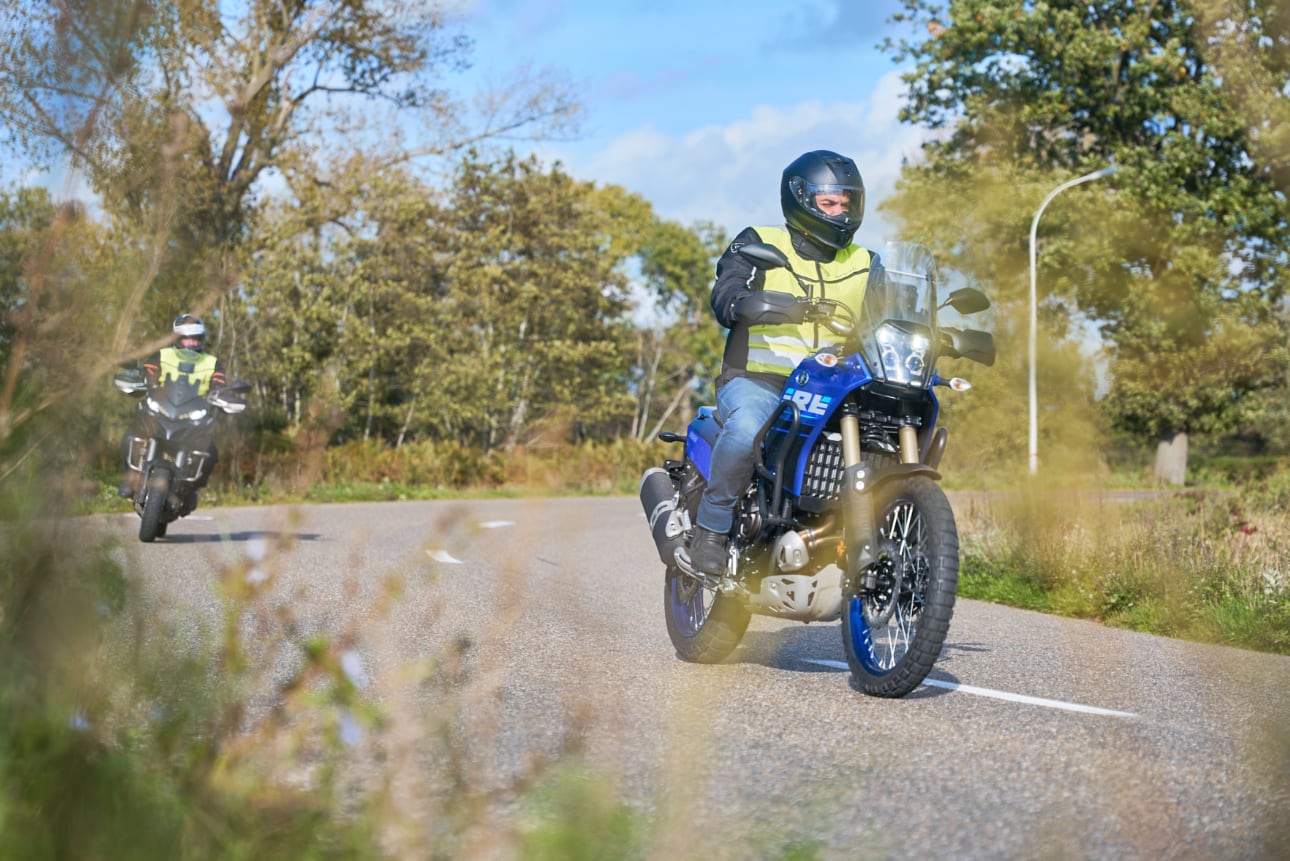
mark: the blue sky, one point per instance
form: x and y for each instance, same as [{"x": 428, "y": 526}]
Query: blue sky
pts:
[{"x": 698, "y": 106}]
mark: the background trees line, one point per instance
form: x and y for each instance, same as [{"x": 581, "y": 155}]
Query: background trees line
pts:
[
  {"x": 304, "y": 175},
  {"x": 423, "y": 282},
  {"x": 496, "y": 312}
]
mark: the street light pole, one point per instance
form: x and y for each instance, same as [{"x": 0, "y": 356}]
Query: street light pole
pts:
[{"x": 1034, "y": 312}]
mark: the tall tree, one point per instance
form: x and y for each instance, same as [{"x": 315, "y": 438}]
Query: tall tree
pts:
[
  {"x": 412, "y": 281},
  {"x": 681, "y": 352},
  {"x": 176, "y": 112},
  {"x": 536, "y": 305},
  {"x": 1188, "y": 249},
  {"x": 677, "y": 348},
  {"x": 180, "y": 114}
]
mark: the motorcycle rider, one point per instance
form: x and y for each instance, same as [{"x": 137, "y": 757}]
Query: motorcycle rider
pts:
[
  {"x": 822, "y": 200},
  {"x": 187, "y": 357}
]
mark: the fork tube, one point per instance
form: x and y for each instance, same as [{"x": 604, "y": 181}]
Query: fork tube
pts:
[
  {"x": 909, "y": 445},
  {"x": 859, "y": 538},
  {"x": 850, "y": 427}
]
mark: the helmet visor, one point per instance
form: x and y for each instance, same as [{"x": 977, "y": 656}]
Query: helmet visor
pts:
[
  {"x": 190, "y": 330},
  {"x": 841, "y": 203}
]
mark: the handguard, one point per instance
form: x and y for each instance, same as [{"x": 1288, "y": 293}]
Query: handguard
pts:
[{"x": 770, "y": 308}]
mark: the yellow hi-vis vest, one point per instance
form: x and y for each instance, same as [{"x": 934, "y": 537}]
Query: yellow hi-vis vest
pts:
[
  {"x": 177, "y": 363},
  {"x": 780, "y": 348}
]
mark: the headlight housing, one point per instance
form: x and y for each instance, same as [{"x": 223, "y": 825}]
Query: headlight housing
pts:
[{"x": 903, "y": 355}]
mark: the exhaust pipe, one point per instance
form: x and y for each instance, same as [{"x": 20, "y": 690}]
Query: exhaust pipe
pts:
[{"x": 666, "y": 526}]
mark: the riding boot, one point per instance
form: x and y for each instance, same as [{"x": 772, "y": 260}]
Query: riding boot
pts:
[{"x": 708, "y": 552}]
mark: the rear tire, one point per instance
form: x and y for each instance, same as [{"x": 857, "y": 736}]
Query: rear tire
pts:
[
  {"x": 154, "y": 507},
  {"x": 893, "y": 633},
  {"x": 704, "y": 625}
]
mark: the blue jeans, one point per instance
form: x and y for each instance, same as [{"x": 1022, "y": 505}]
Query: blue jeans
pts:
[{"x": 743, "y": 406}]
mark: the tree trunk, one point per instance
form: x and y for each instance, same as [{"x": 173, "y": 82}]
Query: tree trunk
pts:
[{"x": 1171, "y": 458}]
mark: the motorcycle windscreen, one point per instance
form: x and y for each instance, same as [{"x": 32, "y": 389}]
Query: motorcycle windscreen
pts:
[
  {"x": 899, "y": 316},
  {"x": 178, "y": 393}
]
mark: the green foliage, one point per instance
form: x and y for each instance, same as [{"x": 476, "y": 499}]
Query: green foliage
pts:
[
  {"x": 680, "y": 353},
  {"x": 493, "y": 312},
  {"x": 177, "y": 112},
  {"x": 25, "y": 215},
  {"x": 101, "y": 759},
  {"x": 588, "y": 467},
  {"x": 1180, "y": 257},
  {"x": 432, "y": 464}
]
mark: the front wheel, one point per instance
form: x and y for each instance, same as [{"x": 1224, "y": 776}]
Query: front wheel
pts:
[
  {"x": 704, "y": 625},
  {"x": 154, "y": 506},
  {"x": 893, "y": 632}
]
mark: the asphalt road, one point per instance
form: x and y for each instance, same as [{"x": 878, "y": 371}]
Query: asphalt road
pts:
[{"x": 1035, "y": 736}]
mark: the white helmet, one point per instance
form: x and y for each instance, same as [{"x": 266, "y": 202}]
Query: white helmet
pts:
[{"x": 188, "y": 327}]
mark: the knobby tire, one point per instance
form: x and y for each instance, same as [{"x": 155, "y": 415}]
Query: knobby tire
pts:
[
  {"x": 918, "y": 566},
  {"x": 704, "y": 626}
]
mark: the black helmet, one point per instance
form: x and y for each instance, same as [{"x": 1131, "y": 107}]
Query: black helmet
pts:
[
  {"x": 822, "y": 173},
  {"x": 186, "y": 327}
]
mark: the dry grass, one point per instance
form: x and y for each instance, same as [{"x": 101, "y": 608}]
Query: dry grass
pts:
[{"x": 1206, "y": 566}]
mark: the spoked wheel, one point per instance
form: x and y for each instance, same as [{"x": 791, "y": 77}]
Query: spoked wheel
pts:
[
  {"x": 703, "y": 624},
  {"x": 893, "y": 632}
]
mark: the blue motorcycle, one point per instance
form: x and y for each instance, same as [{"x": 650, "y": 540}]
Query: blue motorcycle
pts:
[{"x": 843, "y": 518}]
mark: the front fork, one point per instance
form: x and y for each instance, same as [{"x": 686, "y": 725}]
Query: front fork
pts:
[
  {"x": 859, "y": 534},
  {"x": 860, "y": 531}
]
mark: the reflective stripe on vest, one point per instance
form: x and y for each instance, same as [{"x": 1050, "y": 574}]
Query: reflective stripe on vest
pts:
[
  {"x": 177, "y": 363},
  {"x": 779, "y": 349}
]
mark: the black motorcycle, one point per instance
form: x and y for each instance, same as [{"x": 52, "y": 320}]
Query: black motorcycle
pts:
[{"x": 171, "y": 444}]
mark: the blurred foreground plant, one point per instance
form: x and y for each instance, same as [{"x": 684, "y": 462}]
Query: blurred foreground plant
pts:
[{"x": 137, "y": 727}]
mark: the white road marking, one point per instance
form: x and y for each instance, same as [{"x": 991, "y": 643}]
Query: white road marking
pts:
[
  {"x": 1001, "y": 695},
  {"x": 496, "y": 524},
  {"x": 443, "y": 556}
]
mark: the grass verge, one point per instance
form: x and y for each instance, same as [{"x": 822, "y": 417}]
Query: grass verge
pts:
[{"x": 1207, "y": 566}]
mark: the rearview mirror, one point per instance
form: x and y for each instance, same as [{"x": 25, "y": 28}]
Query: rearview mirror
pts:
[
  {"x": 763, "y": 256},
  {"x": 967, "y": 300}
]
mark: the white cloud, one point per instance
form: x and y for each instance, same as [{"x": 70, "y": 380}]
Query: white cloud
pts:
[{"x": 729, "y": 174}]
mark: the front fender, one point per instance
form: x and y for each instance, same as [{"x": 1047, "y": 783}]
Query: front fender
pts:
[
  {"x": 901, "y": 470},
  {"x": 859, "y": 484}
]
